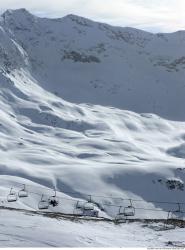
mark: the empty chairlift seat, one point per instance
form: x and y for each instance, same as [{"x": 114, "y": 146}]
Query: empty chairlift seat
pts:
[
  {"x": 12, "y": 196},
  {"x": 121, "y": 214},
  {"x": 168, "y": 223},
  {"x": 129, "y": 210},
  {"x": 177, "y": 214},
  {"x": 43, "y": 203},
  {"x": 88, "y": 206},
  {"x": 79, "y": 207},
  {"x": 89, "y": 210},
  {"x": 85, "y": 209},
  {"x": 125, "y": 212},
  {"x": 23, "y": 192}
]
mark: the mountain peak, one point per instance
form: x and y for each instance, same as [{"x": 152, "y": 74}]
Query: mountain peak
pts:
[
  {"x": 18, "y": 17},
  {"x": 21, "y": 11},
  {"x": 79, "y": 20}
]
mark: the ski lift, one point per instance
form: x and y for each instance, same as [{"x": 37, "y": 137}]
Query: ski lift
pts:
[
  {"x": 89, "y": 208},
  {"x": 129, "y": 210},
  {"x": 86, "y": 208},
  {"x": 43, "y": 203},
  {"x": 79, "y": 207},
  {"x": 83, "y": 205},
  {"x": 124, "y": 212},
  {"x": 177, "y": 214},
  {"x": 12, "y": 196},
  {"x": 53, "y": 200},
  {"x": 168, "y": 224},
  {"x": 23, "y": 193},
  {"x": 174, "y": 217},
  {"x": 121, "y": 215}
]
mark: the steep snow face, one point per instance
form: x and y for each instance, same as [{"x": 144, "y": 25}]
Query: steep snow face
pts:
[{"x": 87, "y": 62}]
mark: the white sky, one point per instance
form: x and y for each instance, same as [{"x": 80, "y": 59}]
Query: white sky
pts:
[{"x": 151, "y": 15}]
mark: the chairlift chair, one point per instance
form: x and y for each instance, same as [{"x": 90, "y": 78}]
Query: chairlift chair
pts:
[
  {"x": 89, "y": 209},
  {"x": 125, "y": 212},
  {"x": 88, "y": 206},
  {"x": 178, "y": 214},
  {"x": 80, "y": 205},
  {"x": 168, "y": 223},
  {"x": 173, "y": 217},
  {"x": 129, "y": 210},
  {"x": 121, "y": 215},
  {"x": 79, "y": 208},
  {"x": 12, "y": 196},
  {"x": 43, "y": 203},
  {"x": 23, "y": 193}
]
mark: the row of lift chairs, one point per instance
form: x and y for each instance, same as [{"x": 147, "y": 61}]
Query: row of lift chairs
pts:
[
  {"x": 87, "y": 208},
  {"x": 12, "y": 196},
  {"x": 23, "y": 193},
  {"x": 81, "y": 208}
]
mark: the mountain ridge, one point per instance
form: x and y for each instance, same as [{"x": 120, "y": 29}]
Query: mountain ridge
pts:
[
  {"x": 71, "y": 15},
  {"x": 112, "y": 66}
]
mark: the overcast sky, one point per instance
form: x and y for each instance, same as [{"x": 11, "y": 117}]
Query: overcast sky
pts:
[{"x": 151, "y": 15}]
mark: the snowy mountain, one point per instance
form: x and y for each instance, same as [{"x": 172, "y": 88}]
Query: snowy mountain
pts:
[
  {"x": 69, "y": 92},
  {"x": 113, "y": 66}
]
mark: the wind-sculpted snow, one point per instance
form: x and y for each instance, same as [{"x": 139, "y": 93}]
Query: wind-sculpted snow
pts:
[{"x": 89, "y": 148}]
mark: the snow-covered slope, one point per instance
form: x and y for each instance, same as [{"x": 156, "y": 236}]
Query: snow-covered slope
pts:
[
  {"x": 84, "y": 61},
  {"x": 87, "y": 148},
  {"x": 23, "y": 230}
]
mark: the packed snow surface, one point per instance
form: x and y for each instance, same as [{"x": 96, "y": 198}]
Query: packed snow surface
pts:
[{"x": 23, "y": 230}]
